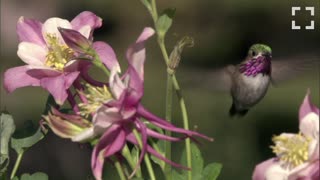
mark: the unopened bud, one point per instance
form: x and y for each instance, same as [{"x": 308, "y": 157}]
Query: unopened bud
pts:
[
  {"x": 175, "y": 55},
  {"x": 75, "y": 40}
]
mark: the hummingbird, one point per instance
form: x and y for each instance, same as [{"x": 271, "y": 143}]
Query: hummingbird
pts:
[{"x": 248, "y": 81}]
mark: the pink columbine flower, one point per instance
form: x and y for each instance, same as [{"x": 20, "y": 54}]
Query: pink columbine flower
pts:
[
  {"x": 50, "y": 62},
  {"x": 117, "y": 110},
  {"x": 297, "y": 154}
]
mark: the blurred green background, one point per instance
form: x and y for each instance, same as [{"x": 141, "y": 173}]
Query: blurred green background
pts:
[{"x": 222, "y": 31}]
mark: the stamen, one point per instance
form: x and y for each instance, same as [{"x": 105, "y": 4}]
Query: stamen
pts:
[
  {"x": 292, "y": 150},
  {"x": 59, "y": 54},
  {"x": 96, "y": 97}
]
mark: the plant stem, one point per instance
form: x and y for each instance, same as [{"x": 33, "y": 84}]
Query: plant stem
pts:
[
  {"x": 127, "y": 154},
  {"x": 146, "y": 157},
  {"x": 16, "y": 165},
  {"x": 185, "y": 122},
  {"x": 120, "y": 170},
  {"x": 172, "y": 78},
  {"x": 167, "y": 168}
]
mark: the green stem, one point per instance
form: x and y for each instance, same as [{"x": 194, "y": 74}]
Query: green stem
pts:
[
  {"x": 146, "y": 157},
  {"x": 176, "y": 86},
  {"x": 167, "y": 169},
  {"x": 127, "y": 154},
  {"x": 185, "y": 122},
  {"x": 16, "y": 165},
  {"x": 120, "y": 170}
]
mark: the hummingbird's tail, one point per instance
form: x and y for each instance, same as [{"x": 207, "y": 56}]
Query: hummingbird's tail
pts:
[{"x": 234, "y": 111}]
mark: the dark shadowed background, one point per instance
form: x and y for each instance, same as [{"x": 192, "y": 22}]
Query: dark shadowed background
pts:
[{"x": 222, "y": 31}]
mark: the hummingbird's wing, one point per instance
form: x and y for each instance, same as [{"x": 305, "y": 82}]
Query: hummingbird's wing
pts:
[
  {"x": 217, "y": 79},
  {"x": 285, "y": 69}
]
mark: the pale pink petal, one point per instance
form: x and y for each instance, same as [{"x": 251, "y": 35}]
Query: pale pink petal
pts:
[
  {"x": 260, "y": 170},
  {"x": 32, "y": 54},
  {"x": 86, "y": 18},
  {"x": 18, "y": 77},
  {"x": 50, "y": 27},
  {"x": 309, "y": 125},
  {"x": 276, "y": 172},
  {"x": 136, "y": 53},
  {"x": 29, "y": 30},
  {"x": 58, "y": 85},
  {"x": 117, "y": 87},
  {"x": 307, "y": 107},
  {"x": 106, "y": 116},
  {"x": 106, "y": 55},
  {"x": 309, "y": 172},
  {"x": 86, "y": 31}
]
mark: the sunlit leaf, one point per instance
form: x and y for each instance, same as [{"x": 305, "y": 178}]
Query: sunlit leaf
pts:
[
  {"x": 165, "y": 21},
  {"x": 35, "y": 176},
  {"x": 7, "y": 128},
  {"x": 211, "y": 171},
  {"x": 197, "y": 162}
]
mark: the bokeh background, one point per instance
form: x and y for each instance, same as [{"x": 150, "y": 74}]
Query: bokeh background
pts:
[{"x": 222, "y": 31}]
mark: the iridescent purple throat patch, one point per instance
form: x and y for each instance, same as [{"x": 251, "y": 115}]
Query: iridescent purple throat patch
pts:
[{"x": 257, "y": 65}]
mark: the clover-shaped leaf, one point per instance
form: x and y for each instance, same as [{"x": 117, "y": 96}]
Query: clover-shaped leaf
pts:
[
  {"x": 165, "y": 21},
  {"x": 7, "y": 128},
  {"x": 199, "y": 172},
  {"x": 35, "y": 176}
]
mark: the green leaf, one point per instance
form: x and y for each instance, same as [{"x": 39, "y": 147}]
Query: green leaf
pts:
[
  {"x": 165, "y": 21},
  {"x": 197, "y": 162},
  {"x": 211, "y": 171},
  {"x": 35, "y": 176},
  {"x": 177, "y": 176},
  {"x": 160, "y": 148},
  {"x": 26, "y": 137},
  {"x": 135, "y": 154},
  {"x": 7, "y": 128}
]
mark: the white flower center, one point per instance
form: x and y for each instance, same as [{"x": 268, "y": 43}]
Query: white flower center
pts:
[{"x": 292, "y": 150}]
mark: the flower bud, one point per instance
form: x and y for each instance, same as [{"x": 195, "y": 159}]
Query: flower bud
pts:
[
  {"x": 175, "y": 55},
  {"x": 65, "y": 125},
  {"x": 75, "y": 40}
]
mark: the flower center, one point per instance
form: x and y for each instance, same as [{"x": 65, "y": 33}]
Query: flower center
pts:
[
  {"x": 292, "y": 150},
  {"x": 96, "y": 97},
  {"x": 59, "y": 54}
]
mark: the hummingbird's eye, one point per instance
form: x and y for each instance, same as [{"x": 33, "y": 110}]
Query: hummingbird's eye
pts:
[{"x": 253, "y": 53}]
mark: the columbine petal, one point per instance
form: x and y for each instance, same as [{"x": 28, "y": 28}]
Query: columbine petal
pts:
[
  {"x": 106, "y": 55},
  {"x": 18, "y": 77},
  {"x": 32, "y": 54},
  {"x": 309, "y": 125},
  {"x": 110, "y": 143},
  {"x": 307, "y": 107},
  {"x": 29, "y": 30},
  {"x": 51, "y": 27},
  {"x": 86, "y": 18},
  {"x": 260, "y": 169},
  {"x": 117, "y": 87},
  {"x": 310, "y": 172},
  {"x": 136, "y": 54},
  {"x": 58, "y": 85}
]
